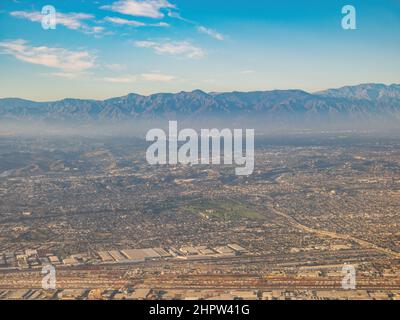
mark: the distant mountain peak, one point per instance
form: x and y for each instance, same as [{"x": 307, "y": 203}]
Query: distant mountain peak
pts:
[{"x": 367, "y": 91}]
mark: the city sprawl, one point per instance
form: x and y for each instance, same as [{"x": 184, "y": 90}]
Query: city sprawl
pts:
[{"x": 115, "y": 227}]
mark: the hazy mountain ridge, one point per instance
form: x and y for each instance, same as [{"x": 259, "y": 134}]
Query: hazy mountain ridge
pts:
[
  {"x": 370, "y": 92},
  {"x": 355, "y": 101}
]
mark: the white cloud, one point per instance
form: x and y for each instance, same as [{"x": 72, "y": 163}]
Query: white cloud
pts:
[
  {"x": 115, "y": 67},
  {"x": 96, "y": 29},
  {"x": 73, "y": 21},
  {"x": 124, "y": 21},
  {"x": 134, "y": 23},
  {"x": 176, "y": 15},
  {"x": 160, "y": 24},
  {"x": 212, "y": 33},
  {"x": 145, "y": 44},
  {"x": 142, "y": 8},
  {"x": 66, "y": 75},
  {"x": 121, "y": 79},
  {"x": 183, "y": 48},
  {"x": 157, "y": 77},
  {"x": 247, "y": 72},
  {"x": 69, "y": 62},
  {"x": 151, "y": 77}
]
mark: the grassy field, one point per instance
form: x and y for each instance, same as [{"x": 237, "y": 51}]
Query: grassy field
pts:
[{"x": 226, "y": 210}]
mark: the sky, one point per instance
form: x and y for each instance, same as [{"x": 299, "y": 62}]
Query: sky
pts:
[{"x": 108, "y": 48}]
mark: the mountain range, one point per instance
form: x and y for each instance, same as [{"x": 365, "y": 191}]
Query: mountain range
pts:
[{"x": 364, "y": 100}]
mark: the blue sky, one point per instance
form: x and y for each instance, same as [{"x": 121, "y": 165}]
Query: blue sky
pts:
[{"x": 103, "y": 49}]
